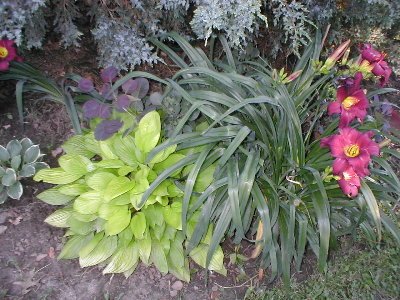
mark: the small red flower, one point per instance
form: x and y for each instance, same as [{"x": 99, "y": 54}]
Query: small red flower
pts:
[
  {"x": 349, "y": 182},
  {"x": 7, "y": 54},
  {"x": 350, "y": 103},
  {"x": 351, "y": 148},
  {"x": 369, "y": 53}
]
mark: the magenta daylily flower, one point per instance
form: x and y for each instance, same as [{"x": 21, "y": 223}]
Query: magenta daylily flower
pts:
[
  {"x": 351, "y": 148},
  {"x": 382, "y": 69},
  {"x": 370, "y": 54},
  {"x": 7, "y": 54},
  {"x": 351, "y": 102},
  {"x": 349, "y": 182}
]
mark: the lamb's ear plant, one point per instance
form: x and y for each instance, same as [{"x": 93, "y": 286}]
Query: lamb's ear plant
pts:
[
  {"x": 99, "y": 186},
  {"x": 271, "y": 174},
  {"x": 18, "y": 160}
]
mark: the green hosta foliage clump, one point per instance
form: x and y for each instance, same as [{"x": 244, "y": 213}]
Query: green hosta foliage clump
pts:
[
  {"x": 18, "y": 160},
  {"x": 102, "y": 207}
]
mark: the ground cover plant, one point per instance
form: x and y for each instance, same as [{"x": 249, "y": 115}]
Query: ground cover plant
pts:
[{"x": 263, "y": 167}]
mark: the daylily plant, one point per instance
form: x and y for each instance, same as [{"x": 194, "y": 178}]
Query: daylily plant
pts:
[{"x": 376, "y": 59}]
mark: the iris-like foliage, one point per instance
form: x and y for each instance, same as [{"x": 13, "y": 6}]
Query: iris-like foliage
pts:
[{"x": 270, "y": 171}]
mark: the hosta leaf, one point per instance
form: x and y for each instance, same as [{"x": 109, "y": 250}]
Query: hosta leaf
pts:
[
  {"x": 27, "y": 171},
  {"x": 74, "y": 245},
  {"x": 163, "y": 155},
  {"x": 31, "y": 154},
  {"x": 90, "y": 245},
  {"x": 118, "y": 221},
  {"x": 165, "y": 164},
  {"x": 73, "y": 189},
  {"x": 103, "y": 250},
  {"x": 80, "y": 227},
  {"x": 4, "y": 155},
  {"x": 140, "y": 187},
  {"x": 9, "y": 178},
  {"x": 182, "y": 273},
  {"x": 25, "y": 143},
  {"x": 3, "y": 195},
  {"x": 15, "y": 191},
  {"x": 148, "y": 132},
  {"x": 59, "y": 218},
  {"x": 106, "y": 210},
  {"x": 154, "y": 215},
  {"x": 16, "y": 162},
  {"x": 123, "y": 260},
  {"x": 40, "y": 165},
  {"x": 145, "y": 249},
  {"x": 99, "y": 180},
  {"x": 125, "y": 149},
  {"x": 176, "y": 255},
  {"x": 110, "y": 164},
  {"x": 138, "y": 225},
  {"x": 204, "y": 179},
  {"x": 76, "y": 164},
  {"x": 125, "y": 237},
  {"x": 84, "y": 218},
  {"x": 125, "y": 170},
  {"x": 118, "y": 186},
  {"x": 107, "y": 151},
  {"x": 76, "y": 145},
  {"x": 158, "y": 258},
  {"x": 2, "y": 171},
  {"x": 173, "y": 215},
  {"x": 121, "y": 200},
  {"x": 14, "y": 148},
  {"x": 54, "y": 197},
  {"x": 55, "y": 176},
  {"x": 88, "y": 203},
  {"x": 199, "y": 255}
]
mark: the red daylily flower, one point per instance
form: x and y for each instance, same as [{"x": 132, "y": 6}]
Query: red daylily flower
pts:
[
  {"x": 7, "y": 54},
  {"x": 350, "y": 103},
  {"x": 382, "y": 69},
  {"x": 349, "y": 182},
  {"x": 369, "y": 53},
  {"x": 351, "y": 148}
]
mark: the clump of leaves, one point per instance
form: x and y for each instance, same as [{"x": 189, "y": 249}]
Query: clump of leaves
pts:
[
  {"x": 107, "y": 220},
  {"x": 18, "y": 160}
]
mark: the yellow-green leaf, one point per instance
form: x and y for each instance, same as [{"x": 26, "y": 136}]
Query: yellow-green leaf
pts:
[
  {"x": 118, "y": 186},
  {"x": 138, "y": 225},
  {"x": 103, "y": 250},
  {"x": 54, "y": 197},
  {"x": 123, "y": 260},
  {"x": 88, "y": 203},
  {"x": 55, "y": 176},
  {"x": 148, "y": 132},
  {"x": 118, "y": 221},
  {"x": 59, "y": 218},
  {"x": 99, "y": 180}
]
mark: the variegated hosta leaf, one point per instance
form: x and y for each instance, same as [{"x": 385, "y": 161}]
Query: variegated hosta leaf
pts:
[
  {"x": 15, "y": 191},
  {"x": 9, "y": 178},
  {"x": 3, "y": 195},
  {"x": 54, "y": 197},
  {"x": 14, "y": 148},
  {"x": 123, "y": 260},
  {"x": 25, "y": 143},
  {"x": 16, "y": 162},
  {"x": 60, "y": 217},
  {"x": 4, "y": 155},
  {"x": 27, "y": 171},
  {"x": 55, "y": 176},
  {"x": 31, "y": 154},
  {"x": 103, "y": 250},
  {"x": 2, "y": 171}
]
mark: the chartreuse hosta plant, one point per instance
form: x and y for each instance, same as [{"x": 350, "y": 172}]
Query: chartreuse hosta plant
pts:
[
  {"x": 18, "y": 160},
  {"x": 272, "y": 174},
  {"x": 100, "y": 186}
]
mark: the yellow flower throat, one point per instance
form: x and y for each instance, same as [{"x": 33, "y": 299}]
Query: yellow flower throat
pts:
[
  {"x": 349, "y": 102},
  {"x": 3, "y": 52},
  {"x": 352, "y": 150}
]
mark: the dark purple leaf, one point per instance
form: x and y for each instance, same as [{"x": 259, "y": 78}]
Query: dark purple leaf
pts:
[
  {"x": 143, "y": 85},
  {"x": 109, "y": 74},
  {"x": 105, "y": 91},
  {"x": 130, "y": 86},
  {"x": 106, "y": 129},
  {"x": 85, "y": 85},
  {"x": 93, "y": 109},
  {"x": 123, "y": 102}
]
